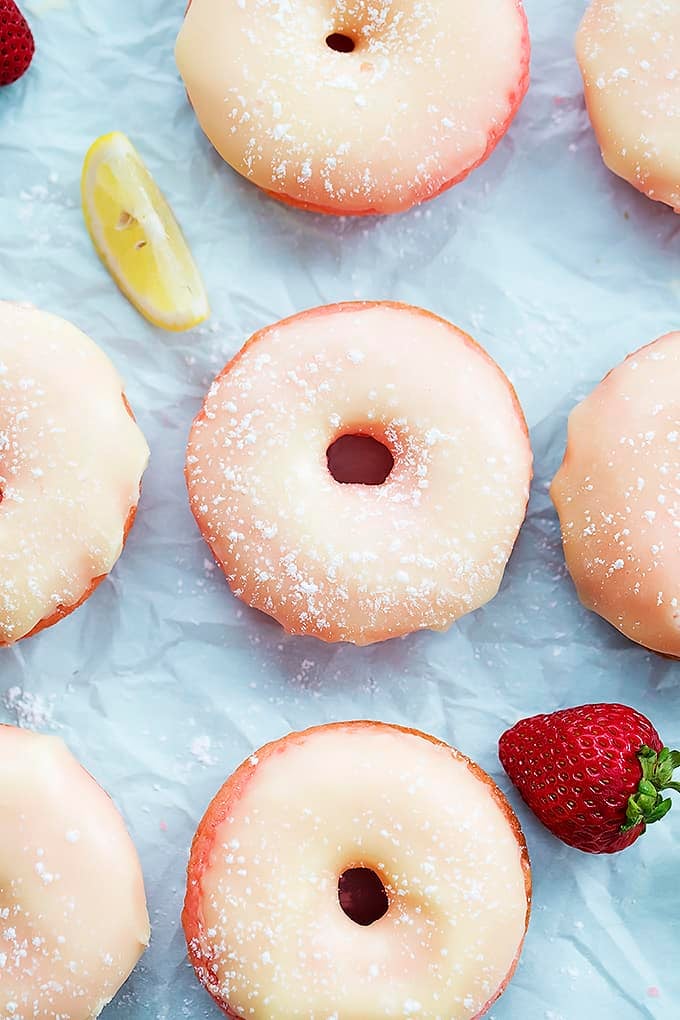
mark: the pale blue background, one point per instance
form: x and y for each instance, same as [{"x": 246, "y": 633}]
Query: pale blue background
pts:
[{"x": 556, "y": 267}]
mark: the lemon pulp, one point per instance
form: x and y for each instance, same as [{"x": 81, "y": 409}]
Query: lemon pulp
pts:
[{"x": 138, "y": 238}]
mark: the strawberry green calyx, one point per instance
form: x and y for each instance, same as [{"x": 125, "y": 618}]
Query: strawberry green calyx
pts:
[{"x": 648, "y": 805}]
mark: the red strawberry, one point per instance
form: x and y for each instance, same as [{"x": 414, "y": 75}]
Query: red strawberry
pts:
[
  {"x": 16, "y": 43},
  {"x": 593, "y": 775}
]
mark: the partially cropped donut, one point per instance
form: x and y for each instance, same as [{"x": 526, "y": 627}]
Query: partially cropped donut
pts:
[
  {"x": 629, "y": 53},
  {"x": 73, "y": 920},
  {"x": 359, "y": 871},
  {"x": 311, "y": 545},
  {"x": 354, "y": 106},
  {"x": 618, "y": 497},
  {"x": 71, "y": 464}
]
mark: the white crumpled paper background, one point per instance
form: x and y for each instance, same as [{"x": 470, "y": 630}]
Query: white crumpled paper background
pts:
[{"x": 163, "y": 682}]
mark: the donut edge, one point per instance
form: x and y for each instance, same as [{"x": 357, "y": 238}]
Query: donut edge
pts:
[
  {"x": 582, "y": 597},
  {"x": 62, "y": 611},
  {"x": 320, "y": 311},
  {"x": 233, "y": 788}
]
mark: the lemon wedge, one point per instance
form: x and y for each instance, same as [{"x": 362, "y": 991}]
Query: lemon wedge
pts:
[{"x": 138, "y": 238}]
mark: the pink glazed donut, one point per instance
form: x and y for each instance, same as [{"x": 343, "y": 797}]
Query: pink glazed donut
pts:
[
  {"x": 73, "y": 918},
  {"x": 629, "y": 52},
  {"x": 361, "y": 471},
  {"x": 617, "y": 494},
  {"x": 71, "y": 465},
  {"x": 357, "y": 871},
  {"x": 354, "y": 107}
]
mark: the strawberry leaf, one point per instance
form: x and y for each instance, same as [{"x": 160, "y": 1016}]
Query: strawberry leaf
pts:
[
  {"x": 647, "y": 805},
  {"x": 660, "y": 810}
]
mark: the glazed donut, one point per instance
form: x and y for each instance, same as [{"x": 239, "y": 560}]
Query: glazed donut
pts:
[
  {"x": 629, "y": 53},
  {"x": 354, "y": 106},
  {"x": 361, "y": 562},
  {"x": 73, "y": 920},
  {"x": 71, "y": 463},
  {"x": 357, "y": 871},
  {"x": 618, "y": 497}
]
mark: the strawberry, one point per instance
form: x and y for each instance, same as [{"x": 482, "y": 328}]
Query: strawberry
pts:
[
  {"x": 593, "y": 775},
  {"x": 16, "y": 43}
]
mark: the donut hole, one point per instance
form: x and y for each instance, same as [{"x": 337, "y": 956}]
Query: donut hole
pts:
[
  {"x": 358, "y": 459},
  {"x": 340, "y": 42},
  {"x": 362, "y": 896}
]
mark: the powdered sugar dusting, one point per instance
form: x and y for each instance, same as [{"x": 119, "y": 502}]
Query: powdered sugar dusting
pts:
[
  {"x": 618, "y": 496},
  {"x": 356, "y": 562},
  {"x": 32, "y": 711},
  {"x": 72, "y": 914},
  {"x": 65, "y": 489},
  {"x": 628, "y": 53},
  {"x": 326, "y": 128},
  {"x": 201, "y": 750},
  {"x": 270, "y": 932}
]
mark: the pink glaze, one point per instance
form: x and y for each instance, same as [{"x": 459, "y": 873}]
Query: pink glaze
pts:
[
  {"x": 423, "y": 98},
  {"x": 629, "y": 53},
  {"x": 264, "y": 926},
  {"x": 617, "y": 494},
  {"x": 351, "y": 562},
  {"x": 71, "y": 463},
  {"x": 73, "y": 920}
]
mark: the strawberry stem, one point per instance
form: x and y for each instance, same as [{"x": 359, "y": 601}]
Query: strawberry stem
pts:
[{"x": 647, "y": 805}]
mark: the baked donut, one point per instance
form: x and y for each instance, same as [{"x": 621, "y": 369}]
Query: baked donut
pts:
[
  {"x": 357, "y": 871},
  {"x": 354, "y": 106},
  {"x": 73, "y": 920},
  {"x": 617, "y": 494},
  {"x": 361, "y": 562},
  {"x": 629, "y": 53},
  {"x": 71, "y": 463}
]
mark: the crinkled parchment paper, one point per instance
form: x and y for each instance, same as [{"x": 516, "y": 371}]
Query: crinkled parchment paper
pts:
[{"x": 163, "y": 682}]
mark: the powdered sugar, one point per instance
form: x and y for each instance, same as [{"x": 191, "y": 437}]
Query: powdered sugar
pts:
[
  {"x": 61, "y": 514},
  {"x": 30, "y": 710},
  {"x": 68, "y": 868},
  {"x": 355, "y": 562},
  {"x": 325, "y": 127},
  {"x": 265, "y": 926},
  {"x": 618, "y": 496},
  {"x": 628, "y": 53}
]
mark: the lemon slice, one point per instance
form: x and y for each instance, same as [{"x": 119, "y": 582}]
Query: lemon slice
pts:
[{"x": 137, "y": 237}]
